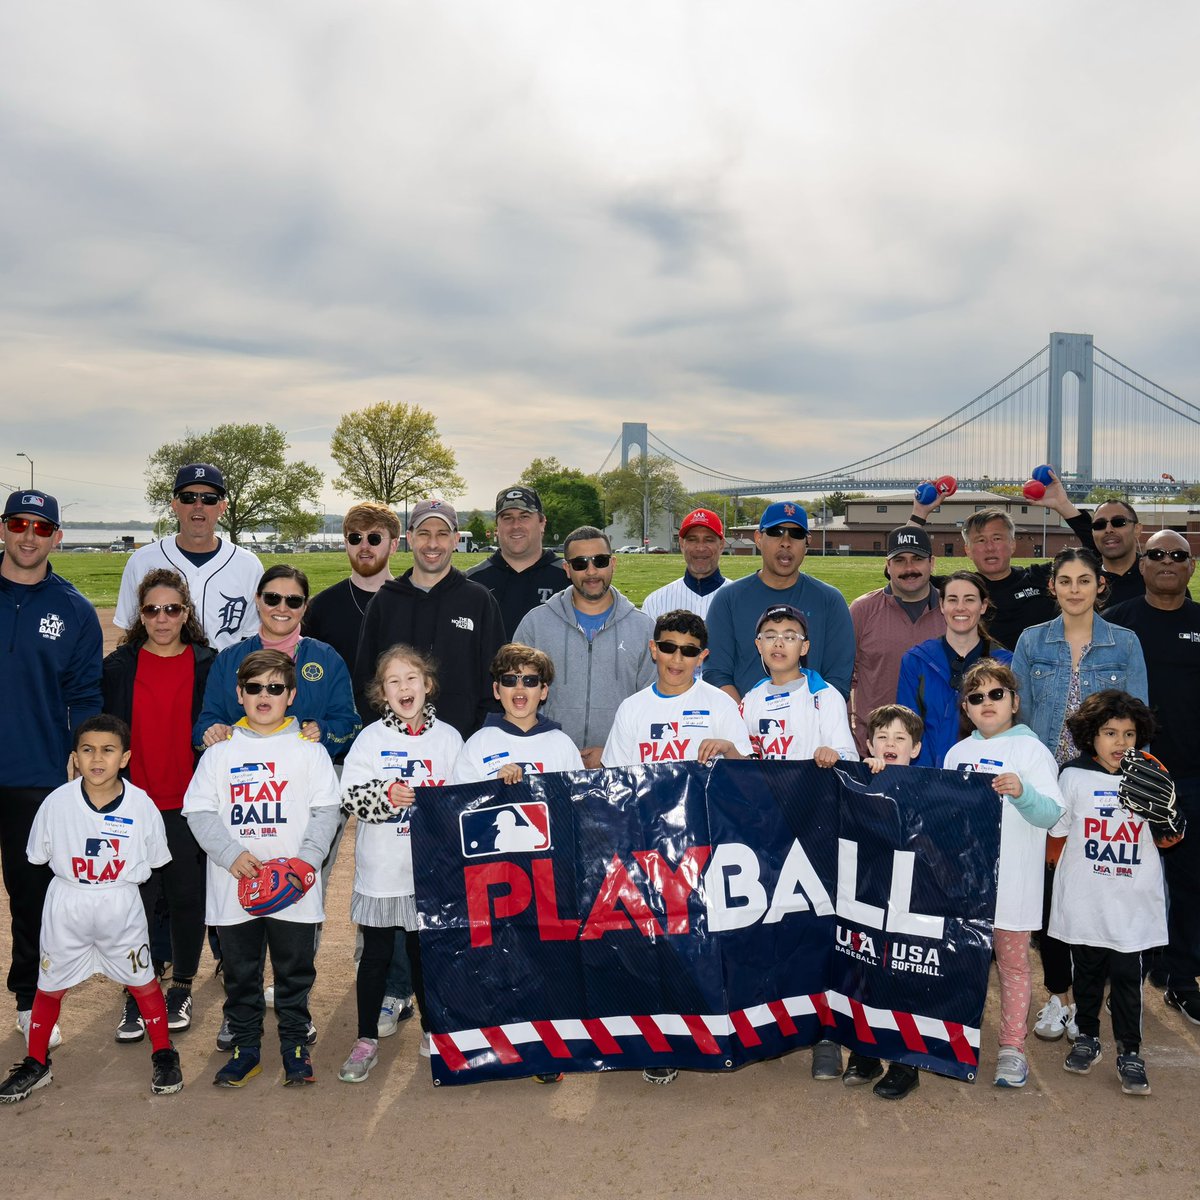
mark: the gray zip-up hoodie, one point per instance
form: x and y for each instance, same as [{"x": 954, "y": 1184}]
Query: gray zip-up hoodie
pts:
[{"x": 590, "y": 678}]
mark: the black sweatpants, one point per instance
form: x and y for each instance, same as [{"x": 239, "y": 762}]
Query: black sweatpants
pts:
[
  {"x": 378, "y": 945},
  {"x": 1094, "y": 966},
  {"x": 182, "y": 884},
  {"x": 1056, "y": 955},
  {"x": 293, "y": 948},
  {"x": 26, "y": 885}
]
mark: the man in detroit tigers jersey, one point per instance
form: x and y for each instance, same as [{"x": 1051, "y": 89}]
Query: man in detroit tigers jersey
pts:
[{"x": 222, "y": 577}]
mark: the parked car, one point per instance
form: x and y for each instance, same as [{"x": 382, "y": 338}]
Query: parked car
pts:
[{"x": 628, "y": 549}]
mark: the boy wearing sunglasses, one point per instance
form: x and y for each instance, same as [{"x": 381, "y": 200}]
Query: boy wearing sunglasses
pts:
[
  {"x": 222, "y": 577},
  {"x": 264, "y": 793},
  {"x": 49, "y": 685},
  {"x": 518, "y": 740},
  {"x": 678, "y": 718}
]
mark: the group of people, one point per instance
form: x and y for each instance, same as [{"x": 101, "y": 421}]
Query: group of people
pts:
[{"x": 242, "y": 721}]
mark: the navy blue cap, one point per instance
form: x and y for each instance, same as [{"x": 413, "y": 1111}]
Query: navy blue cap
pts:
[
  {"x": 195, "y": 473},
  {"x": 32, "y": 503}
]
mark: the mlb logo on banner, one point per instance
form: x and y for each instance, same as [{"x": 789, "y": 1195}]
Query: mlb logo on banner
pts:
[{"x": 505, "y": 829}]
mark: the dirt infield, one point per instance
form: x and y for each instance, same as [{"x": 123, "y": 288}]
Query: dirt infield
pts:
[{"x": 768, "y": 1130}]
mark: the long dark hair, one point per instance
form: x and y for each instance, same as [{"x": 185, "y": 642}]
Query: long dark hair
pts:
[
  {"x": 978, "y": 582},
  {"x": 1091, "y": 560},
  {"x": 190, "y": 632}
]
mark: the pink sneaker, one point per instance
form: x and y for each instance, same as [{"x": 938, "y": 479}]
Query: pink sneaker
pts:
[{"x": 362, "y": 1058}]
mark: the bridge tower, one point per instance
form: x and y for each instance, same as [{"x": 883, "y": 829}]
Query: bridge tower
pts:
[
  {"x": 633, "y": 437},
  {"x": 1070, "y": 354}
]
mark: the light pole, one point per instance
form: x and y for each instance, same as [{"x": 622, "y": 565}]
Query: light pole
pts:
[{"x": 22, "y": 454}]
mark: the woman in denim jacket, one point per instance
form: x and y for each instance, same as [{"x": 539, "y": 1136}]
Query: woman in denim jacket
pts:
[{"x": 1059, "y": 664}]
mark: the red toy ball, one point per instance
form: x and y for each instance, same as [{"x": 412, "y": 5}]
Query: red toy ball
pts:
[
  {"x": 1034, "y": 490},
  {"x": 946, "y": 485}
]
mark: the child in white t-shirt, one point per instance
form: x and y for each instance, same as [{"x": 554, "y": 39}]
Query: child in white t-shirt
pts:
[
  {"x": 1109, "y": 902},
  {"x": 794, "y": 713},
  {"x": 1027, "y": 778},
  {"x": 408, "y": 749}
]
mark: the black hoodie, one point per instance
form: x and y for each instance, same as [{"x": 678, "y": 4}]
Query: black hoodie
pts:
[
  {"x": 457, "y": 621},
  {"x": 518, "y": 591}
]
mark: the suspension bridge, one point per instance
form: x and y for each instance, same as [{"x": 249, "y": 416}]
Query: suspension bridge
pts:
[{"x": 1099, "y": 421}]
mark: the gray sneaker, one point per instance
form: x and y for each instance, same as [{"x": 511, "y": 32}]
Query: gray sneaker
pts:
[
  {"x": 827, "y": 1061},
  {"x": 225, "y": 1037},
  {"x": 1085, "y": 1054},
  {"x": 660, "y": 1075},
  {"x": 363, "y": 1057},
  {"x": 1012, "y": 1068}
]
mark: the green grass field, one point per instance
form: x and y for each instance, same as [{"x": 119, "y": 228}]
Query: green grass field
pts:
[{"x": 99, "y": 575}]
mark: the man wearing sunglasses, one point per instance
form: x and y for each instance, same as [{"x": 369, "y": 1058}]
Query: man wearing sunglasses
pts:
[
  {"x": 334, "y": 616},
  {"x": 222, "y": 577},
  {"x": 734, "y": 663},
  {"x": 599, "y": 644},
  {"x": 1167, "y": 623},
  {"x": 434, "y": 607},
  {"x": 1116, "y": 530},
  {"x": 49, "y": 683},
  {"x": 521, "y": 574}
]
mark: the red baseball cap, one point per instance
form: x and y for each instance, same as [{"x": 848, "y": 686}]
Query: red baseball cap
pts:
[{"x": 705, "y": 517}]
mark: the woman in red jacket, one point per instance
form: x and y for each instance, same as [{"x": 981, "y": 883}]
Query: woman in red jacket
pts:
[{"x": 154, "y": 681}]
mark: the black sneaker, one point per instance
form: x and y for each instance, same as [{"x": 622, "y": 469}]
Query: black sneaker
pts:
[
  {"x": 827, "y": 1061},
  {"x": 179, "y": 1009},
  {"x": 1085, "y": 1054},
  {"x": 165, "y": 1075},
  {"x": 861, "y": 1069},
  {"x": 243, "y": 1066},
  {"x": 224, "y": 1036},
  {"x": 660, "y": 1075},
  {"x": 548, "y": 1078},
  {"x": 132, "y": 1028},
  {"x": 297, "y": 1067},
  {"x": 1187, "y": 1003},
  {"x": 1131, "y": 1071},
  {"x": 898, "y": 1082},
  {"x": 25, "y": 1078}
]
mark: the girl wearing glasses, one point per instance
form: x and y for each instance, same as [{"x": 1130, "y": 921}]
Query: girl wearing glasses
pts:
[
  {"x": 154, "y": 681},
  {"x": 1059, "y": 664},
  {"x": 931, "y": 672},
  {"x": 324, "y": 703},
  {"x": 1026, "y": 778}
]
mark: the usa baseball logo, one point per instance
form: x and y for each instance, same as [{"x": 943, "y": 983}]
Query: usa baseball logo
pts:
[
  {"x": 505, "y": 829},
  {"x": 663, "y": 731}
]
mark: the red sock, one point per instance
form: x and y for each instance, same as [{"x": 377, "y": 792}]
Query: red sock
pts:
[
  {"x": 46, "y": 1007},
  {"x": 153, "y": 1008}
]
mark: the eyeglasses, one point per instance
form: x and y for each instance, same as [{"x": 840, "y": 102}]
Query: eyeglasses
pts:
[
  {"x": 975, "y": 699},
  {"x": 788, "y": 639},
  {"x": 172, "y": 610},
  {"x": 792, "y": 531},
  {"x": 20, "y": 524},
  {"x": 580, "y": 561},
  {"x": 208, "y": 499},
  {"x": 511, "y": 680},
  {"x": 1179, "y": 556},
  {"x": 1100, "y": 524},
  {"x": 688, "y": 651},
  {"x": 275, "y": 599},
  {"x": 373, "y": 539},
  {"x": 272, "y": 689}
]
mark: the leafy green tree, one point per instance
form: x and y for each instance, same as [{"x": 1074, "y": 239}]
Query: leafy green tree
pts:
[
  {"x": 569, "y": 497},
  {"x": 263, "y": 488},
  {"x": 645, "y": 487},
  {"x": 389, "y": 451},
  {"x": 1098, "y": 495},
  {"x": 297, "y": 525},
  {"x": 836, "y": 502},
  {"x": 477, "y": 527}
]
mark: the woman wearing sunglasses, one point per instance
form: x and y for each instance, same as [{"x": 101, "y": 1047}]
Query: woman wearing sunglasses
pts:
[
  {"x": 931, "y": 672},
  {"x": 154, "y": 681},
  {"x": 324, "y": 703},
  {"x": 1059, "y": 664}
]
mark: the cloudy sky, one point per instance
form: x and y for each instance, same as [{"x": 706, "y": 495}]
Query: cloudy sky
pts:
[{"x": 784, "y": 233}]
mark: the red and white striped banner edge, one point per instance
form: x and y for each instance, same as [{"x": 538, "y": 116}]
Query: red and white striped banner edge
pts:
[{"x": 655, "y": 1029}]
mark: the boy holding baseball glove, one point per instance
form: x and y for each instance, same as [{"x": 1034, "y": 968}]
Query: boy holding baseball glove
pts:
[{"x": 264, "y": 808}]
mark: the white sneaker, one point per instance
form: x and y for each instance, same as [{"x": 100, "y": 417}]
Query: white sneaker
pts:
[
  {"x": 24, "y": 1017},
  {"x": 1069, "y": 1019},
  {"x": 1052, "y": 1019},
  {"x": 423, "y": 1050},
  {"x": 269, "y": 996},
  {"x": 389, "y": 1016}
]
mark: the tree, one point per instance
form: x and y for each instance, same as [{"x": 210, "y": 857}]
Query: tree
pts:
[
  {"x": 647, "y": 486},
  {"x": 835, "y": 502},
  {"x": 569, "y": 497},
  {"x": 297, "y": 525},
  {"x": 476, "y": 525},
  {"x": 262, "y": 487},
  {"x": 387, "y": 452},
  {"x": 1100, "y": 495}
]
